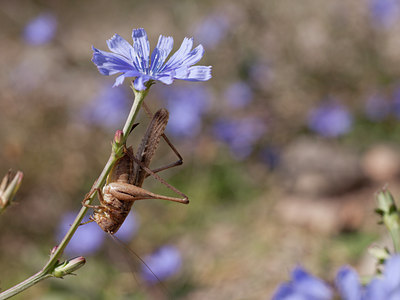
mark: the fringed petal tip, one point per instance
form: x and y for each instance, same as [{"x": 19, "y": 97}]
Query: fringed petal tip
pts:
[{"x": 119, "y": 80}]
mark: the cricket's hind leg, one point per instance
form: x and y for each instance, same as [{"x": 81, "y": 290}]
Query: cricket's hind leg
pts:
[
  {"x": 184, "y": 199},
  {"x": 180, "y": 158}
]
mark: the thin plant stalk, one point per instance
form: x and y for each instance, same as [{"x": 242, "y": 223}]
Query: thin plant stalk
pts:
[{"x": 47, "y": 270}]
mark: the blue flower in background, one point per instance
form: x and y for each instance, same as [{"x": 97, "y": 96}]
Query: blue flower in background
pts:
[
  {"x": 212, "y": 30},
  {"x": 331, "y": 119},
  {"x": 377, "y": 108},
  {"x": 396, "y": 103},
  {"x": 303, "y": 286},
  {"x": 240, "y": 135},
  {"x": 384, "y": 12},
  {"x": 388, "y": 287},
  {"x": 86, "y": 240},
  {"x": 135, "y": 61},
  {"x": 108, "y": 108},
  {"x": 186, "y": 106},
  {"x": 270, "y": 156},
  {"x": 129, "y": 228},
  {"x": 165, "y": 262},
  {"x": 40, "y": 30},
  {"x": 260, "y": 73},
  {"x": 238, "y": 94},
  {"x": 348, "y": 284}
]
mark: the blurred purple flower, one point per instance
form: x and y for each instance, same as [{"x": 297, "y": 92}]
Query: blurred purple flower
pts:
[
  {"x": 270, "y": 156},
  {"x": 212, "y": 30},
  {"x": 164, "y": 263},
  {"x": 348, "y": 284},
  {"x": 384, "y": 12},
  {"x": 186, "y": 105},
  {"x": 86, "y": 240},
  {"x": 388, "y": 287},
  {"x": 330, "y": 119},
  {"x": 240, "y": 135},
  {"x": 377, "y": 108},
  {"x": 396, "y": 103},
  {"x": 304, "y": 286},
  {"x": 260, "y": 73},
  {"x": 41, "y": 29},
  {"x": 128, "y": 228},
  {"x": 108, "y": 109},
  {"x": 135, "y": 61},
  {"x": 238, "y": 94}
]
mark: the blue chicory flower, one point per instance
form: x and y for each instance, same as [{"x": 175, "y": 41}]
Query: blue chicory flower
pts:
[
  {"x": 41, "y": 29},
  {"x": 212, "y": 30},
  {"x": 240, "y": 135},
  {"x": 135, "y": 61},
  {"x": 164, "y": 263},
  {"x": 270, "y": 156},
  {"x": 260, "y": 73},
  {"x": 304, "y": 286},
  {"x": 186, "y": 106},
  {"x": 387, "y": 287},
  {"x": 330, "y": 119},
  {"x": 348, "y": 284},
  {"x": 377, "y": 108},
  {"x": 129, "y": 228},
  {"x": 395, "y": 108},
  {"x": 87, "y": 239},
  {"x": 107, "y": 108},
  {"x": 384, "y": 13},
  {"x": 238, "y": 94}
]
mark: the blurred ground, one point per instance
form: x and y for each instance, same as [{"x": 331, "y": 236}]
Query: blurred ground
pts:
[{"x": 284, "y": 147}]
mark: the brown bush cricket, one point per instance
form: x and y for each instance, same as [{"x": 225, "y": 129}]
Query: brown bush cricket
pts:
[{"x": 124, "y": 183}]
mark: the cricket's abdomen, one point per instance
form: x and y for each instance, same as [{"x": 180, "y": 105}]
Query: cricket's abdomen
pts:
[{"x": 112, "y": 214}]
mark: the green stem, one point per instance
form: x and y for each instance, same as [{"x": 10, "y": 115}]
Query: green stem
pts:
[
  {"x": 395, "y": 234},
  {"x": 48, "y": 269}
]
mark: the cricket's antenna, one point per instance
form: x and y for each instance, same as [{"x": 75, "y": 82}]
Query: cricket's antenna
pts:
[
  {"x": 133, "y": 269},
  {"x": 129, "y": 250}
]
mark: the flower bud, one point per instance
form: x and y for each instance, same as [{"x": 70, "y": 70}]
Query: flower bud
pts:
[
  {"x": 69, "y": 266},
  {"x": 117, "y": 143},
  {"x": 118, "y": 136},
  {"x": 387, "y": 209},
  {"x": 386, "y": 203},
  {"x": 8, "y": 188}
]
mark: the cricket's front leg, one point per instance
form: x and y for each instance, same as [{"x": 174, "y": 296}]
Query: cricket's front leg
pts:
[
  {"x": 88, "y": 195},
  {"x": 101, "y": 200},
  {"x": 129, "y": 192}
]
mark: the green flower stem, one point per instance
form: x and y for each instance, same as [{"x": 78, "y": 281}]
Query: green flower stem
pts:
[
  {"x": 395, "y": 234},
  {"x": 116, "y": 153}
]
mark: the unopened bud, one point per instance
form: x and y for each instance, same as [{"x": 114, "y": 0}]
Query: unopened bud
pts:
[
  {"x": 8, "y": 188},
  {"x": 117, "y": 143},
  {"x": 386, "y": 203},
  {"x": 118, "y": 136},
  {"x": 69, "y": 266},
  {"x": 387, "y": 209}
]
